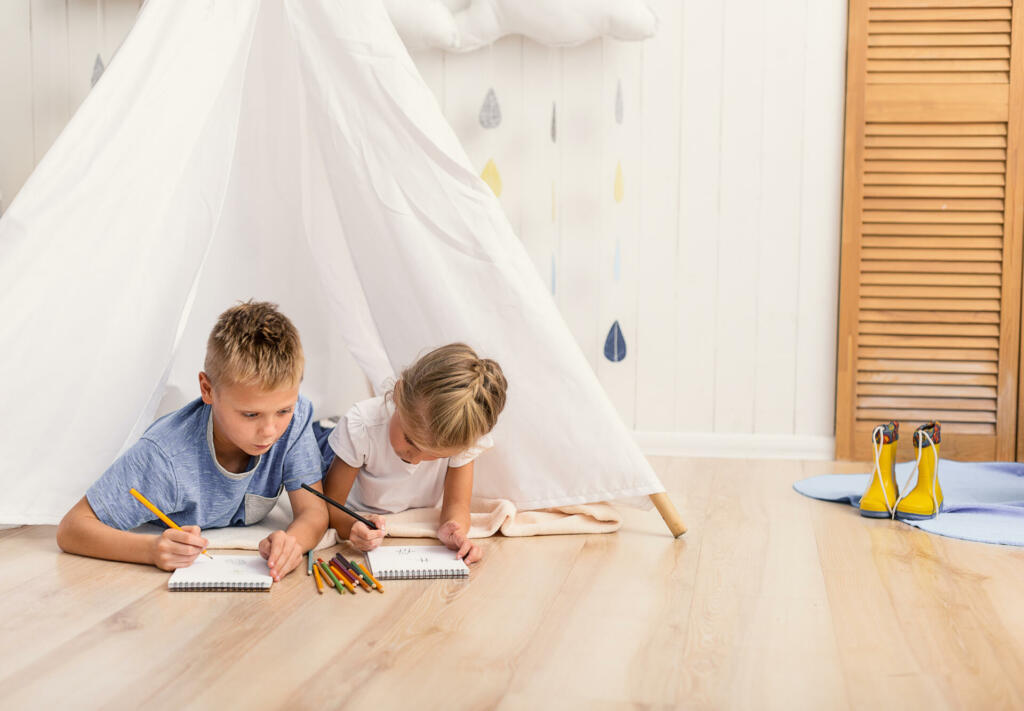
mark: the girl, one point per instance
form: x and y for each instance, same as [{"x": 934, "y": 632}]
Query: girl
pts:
[{"x": 415, "y": 446}]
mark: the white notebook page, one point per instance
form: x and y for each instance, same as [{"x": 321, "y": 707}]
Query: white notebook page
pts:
[{"x": 398, "y": 562}]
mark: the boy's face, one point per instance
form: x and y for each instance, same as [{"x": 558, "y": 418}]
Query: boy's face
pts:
[{"x": 247, "y": 417}]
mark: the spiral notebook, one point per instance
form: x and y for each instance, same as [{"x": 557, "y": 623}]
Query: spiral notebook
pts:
[
  {"x": 412, "y": 562},
  {"x": 228, "y": 573}
]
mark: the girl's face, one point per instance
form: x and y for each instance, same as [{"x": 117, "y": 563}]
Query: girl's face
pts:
[{"x": 407, "y": 449}]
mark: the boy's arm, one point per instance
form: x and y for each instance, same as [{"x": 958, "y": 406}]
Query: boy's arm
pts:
[
  {"x": 283, "y": 550},
  {"x": 81, "y": 532},
  {"x": 337, "y": 484},
  {"x": 454, "y": 528}
]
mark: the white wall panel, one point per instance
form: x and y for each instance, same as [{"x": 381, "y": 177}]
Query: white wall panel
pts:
[{"x": 726, "y": 239}]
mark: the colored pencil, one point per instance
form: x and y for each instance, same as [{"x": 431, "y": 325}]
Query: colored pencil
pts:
[
  {"x": 345, "y": 571},
  {"x": 309, "y": 562},
  {"x": 346, "y": 509},
  {"x": 348, "y": 565},
  {"x": 380, "y": 588},
  {"x": 319, "y": 580},
  {"x": 362, "y": 573},
  {"x": 344, "y": 581},
  {"x": 160, "y": 514},
  {"x": 329, "y": 574},
  {"x": 362, "y": 580}
]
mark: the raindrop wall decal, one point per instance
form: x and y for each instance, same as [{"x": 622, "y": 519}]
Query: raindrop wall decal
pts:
[
  {"x": 492, "y": 177},
  {"x": 97, "y": 69},
  {"x": 618, "y": 102},
  {"x": 620, "y": 189},
  {"x": 554, "y": 124},
  {"x": 490, "y": 112},
  {"x": 615, "y": 344}
]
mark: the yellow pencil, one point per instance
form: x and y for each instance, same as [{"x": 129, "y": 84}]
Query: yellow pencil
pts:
[
  {"x": 319, "y": 580},
  {"x": 376, "y": 583},
  {"x": 160, "y": 514}
]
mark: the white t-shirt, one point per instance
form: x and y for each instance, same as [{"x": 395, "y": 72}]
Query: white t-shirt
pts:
[{"x": 386, "y": 484}]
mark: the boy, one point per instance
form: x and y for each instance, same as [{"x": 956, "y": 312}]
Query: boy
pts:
[{"x": 221, "y": 460}]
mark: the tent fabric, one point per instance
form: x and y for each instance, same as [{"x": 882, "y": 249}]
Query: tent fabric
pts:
[{"x": 284, "y": 150}]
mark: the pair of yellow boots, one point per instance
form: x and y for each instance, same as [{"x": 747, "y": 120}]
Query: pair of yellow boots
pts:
[{"x": 882, "y": 498}]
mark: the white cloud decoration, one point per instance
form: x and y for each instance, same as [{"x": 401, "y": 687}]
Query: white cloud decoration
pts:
[{"x": 465, "y": 25}]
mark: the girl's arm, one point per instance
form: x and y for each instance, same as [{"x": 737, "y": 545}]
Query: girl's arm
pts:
[
  {"x": 454, "y": 528},
  {"x": 337, "y": 485}
]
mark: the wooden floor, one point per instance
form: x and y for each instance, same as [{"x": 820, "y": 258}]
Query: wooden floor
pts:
[{"x": 769, "y": 601}]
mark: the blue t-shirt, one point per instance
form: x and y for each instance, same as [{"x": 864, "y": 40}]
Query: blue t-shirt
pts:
[{"x": 174, "y": 466}]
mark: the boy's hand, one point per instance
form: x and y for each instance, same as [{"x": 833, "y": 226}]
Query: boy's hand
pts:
[
  {"x": 365, "y": 538},
  {"x": 177, "y": 549},
  {"x": 283, "y": 553},
  {"x": 451, "y": 534}
]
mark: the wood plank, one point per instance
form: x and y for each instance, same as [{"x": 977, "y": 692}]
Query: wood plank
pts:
[
  {"x": 823, "y": 110},
  {"x": 984, "y": 451},
  {"x": 940, "y": 304},
  {"x": 932, "y": 242},
  {"x": 934, "y": 191},
  {"x": 925, "y": 341},
  {"x": 937, "y": 12},
  {"x": 901, "y": 402},
  {"x": 939, "y": 65},
  {"x": 918, "y": 27},
  {"x": 778, "y": 247},
  {"x": 943, "y": 39},
  {"x": 934, "y": 217},
  {"x": 966, "y": 354},
  {"x": 933, "y": 230},
  {"x": 934, "y": 4},
  {"x": 930, "y": 329},
  {"x": 965, "y": 77},
  {"x": 937, "y": 255},
  {"x": 1013, "y": 257},
  {"x": 742, "y": 151},
  {"x": 936, "y": 141},
  {"x": 953, "y": 266},
  {"x": 944, "y": 416},
  {"x": 935, "y": 154},
  {"x": 933, "y": 102},
  {"x": 907, "y": 204},
  {"x": 660, "y": 201},
  {"x": 927, "y": 366},
  {"x": 937, "y": 166},
  {"x": 930, "y": 316},
  {"x": 934, "y": 127},
  {"x": 919, "y": 291},
  {"x": 930, "y": 390},
  {"x": 927, "y": 378},
  {"x": 925, "y": 178},
  {"x": 989, "y": 52}
]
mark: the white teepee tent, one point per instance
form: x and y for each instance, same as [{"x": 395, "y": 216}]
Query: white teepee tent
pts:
[{"x": 280, "y": 149}]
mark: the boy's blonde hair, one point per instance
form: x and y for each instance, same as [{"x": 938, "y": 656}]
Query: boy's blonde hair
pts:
[
  {"x": 450, "y": 398},
  {"x": 254, "y": 344}
]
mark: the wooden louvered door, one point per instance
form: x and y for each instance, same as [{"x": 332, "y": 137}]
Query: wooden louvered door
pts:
[{"x": 930, "y": 290}]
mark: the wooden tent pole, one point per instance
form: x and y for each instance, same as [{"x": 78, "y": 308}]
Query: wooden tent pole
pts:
[{"x": 668, "y": 512}]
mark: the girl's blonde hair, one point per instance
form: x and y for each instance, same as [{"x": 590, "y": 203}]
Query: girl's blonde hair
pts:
[
  {"x": 254, "y": 344},
  {"x": 450, "y": 397}
]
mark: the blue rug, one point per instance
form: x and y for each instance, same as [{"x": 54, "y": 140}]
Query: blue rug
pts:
[{"x": 984, "y": 501}]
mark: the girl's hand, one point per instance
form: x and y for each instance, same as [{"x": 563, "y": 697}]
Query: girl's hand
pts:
[
  {"x": 177, "y": 549},
  {"x": 451, "y": 534},
  {"x": 365, "y": 538},
  {"x": 282, "y": 552}
]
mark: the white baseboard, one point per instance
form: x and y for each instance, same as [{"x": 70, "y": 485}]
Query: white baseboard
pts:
[{"x": 736, "y": 446}]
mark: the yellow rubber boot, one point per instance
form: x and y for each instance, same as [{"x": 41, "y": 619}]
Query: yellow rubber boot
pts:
[
  {"x": 879, "y": 500},
  {"x": 925, "y": 499}
]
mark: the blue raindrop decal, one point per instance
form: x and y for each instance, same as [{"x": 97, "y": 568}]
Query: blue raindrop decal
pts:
[
  {"x": 490, "y": 112},
  {"x": 97, "y": 69},
  {"x": 615, "y": 344},
  {"x": 618, "y": 260},
  {"x": 554, "y": 124},
  {"x": 618, "y": 102}
]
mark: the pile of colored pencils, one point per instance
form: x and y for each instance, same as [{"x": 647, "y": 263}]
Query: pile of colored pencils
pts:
[{"x": 341, "y": 573}]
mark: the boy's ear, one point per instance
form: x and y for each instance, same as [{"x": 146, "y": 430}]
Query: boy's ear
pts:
[{"x": 205, "y": 388}]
